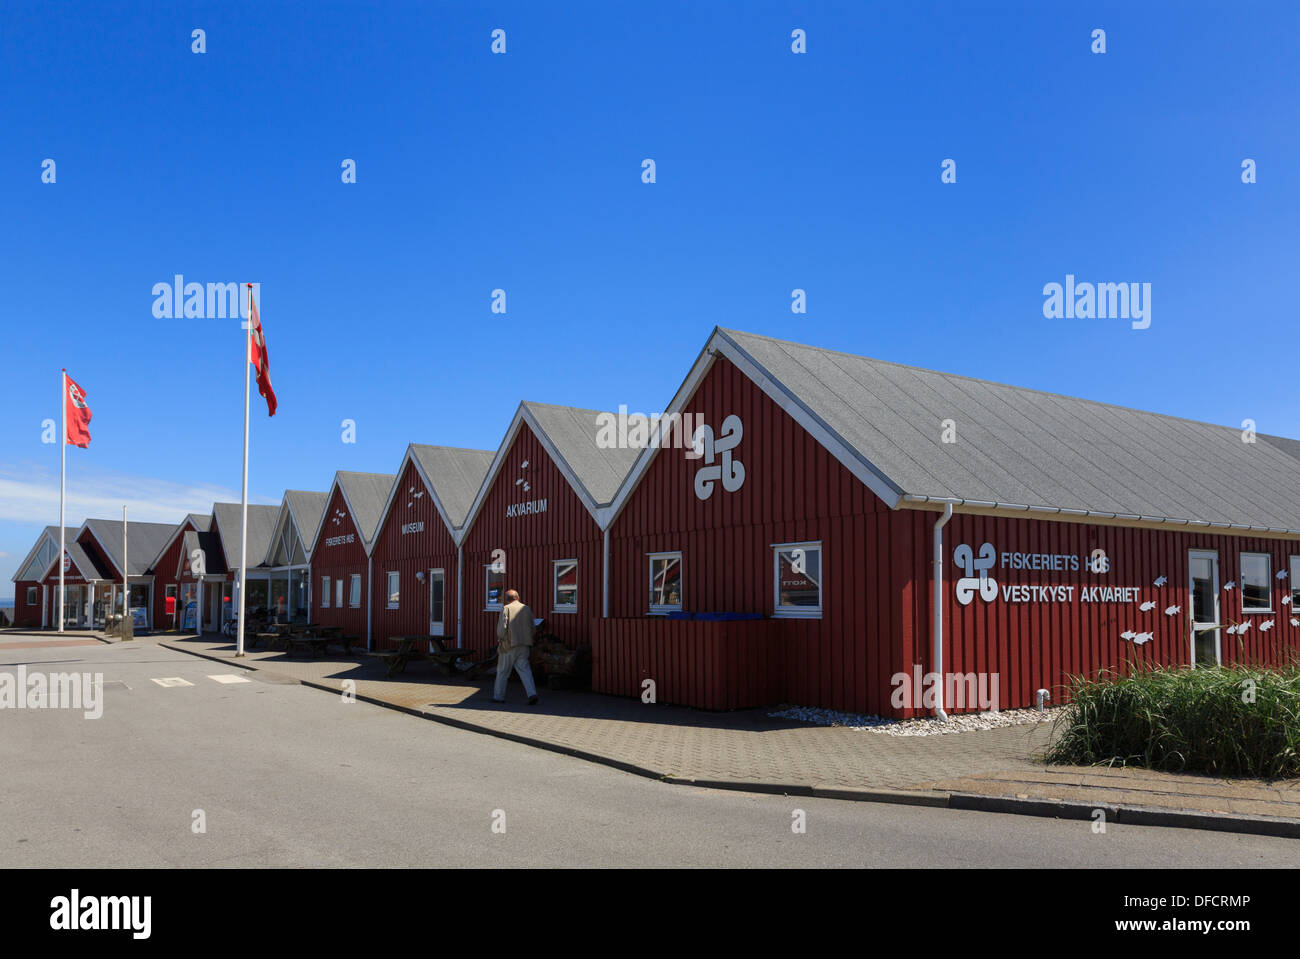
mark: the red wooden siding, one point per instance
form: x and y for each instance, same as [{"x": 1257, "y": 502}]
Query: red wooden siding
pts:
[
  {"x": 27, "y": 615},
  {"x": 340, "y": 559},
  {"x": 794, "y": 491},
  {"x": 408, "y": 554},
  {"x": 164, "y": 575},
  {"x": 709, "y": 665},
  {"x": 531, "y": 541},
  {"x": 1038, "y": 644}
]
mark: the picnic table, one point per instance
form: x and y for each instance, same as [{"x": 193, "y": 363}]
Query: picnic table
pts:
[{"x": 408, "y": 649}]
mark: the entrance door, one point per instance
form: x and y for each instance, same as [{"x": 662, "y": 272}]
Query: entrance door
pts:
[
  {"x": 1204, "y": 569},
  {"x": 437, "y": 604}
]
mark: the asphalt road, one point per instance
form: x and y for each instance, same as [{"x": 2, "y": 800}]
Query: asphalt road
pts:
[{"x": 291, "y": 776}]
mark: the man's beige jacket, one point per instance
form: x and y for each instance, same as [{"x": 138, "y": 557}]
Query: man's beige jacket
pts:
[{"x": 515, "y": 627}]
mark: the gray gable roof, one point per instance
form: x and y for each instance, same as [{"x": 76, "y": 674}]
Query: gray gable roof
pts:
[
  {"x": 52, "y": 533},
  {"x": 213, "y": 562},
  {"x": 573, "y": 433},
  {"x": 261, "y": 527},
  {"x": 85, "y": 562},
  {"x": 306, "y": 507},
  {"x": 366, "y": 494},
  {"x": 144, "y": 542},
  {"x": 1022, "y": 447},
  {"x": 455, "y": 476},
  {"x": 201, "y": 521}
]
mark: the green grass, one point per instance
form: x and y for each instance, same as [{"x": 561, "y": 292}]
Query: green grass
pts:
[{"x": 1185, "y": 720}]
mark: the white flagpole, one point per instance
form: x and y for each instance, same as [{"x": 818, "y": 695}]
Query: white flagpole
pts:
[
  {"x": 243, "y": 533},
  {"x": 126, "y": 583},
  {"x": 63, "y": 483}
]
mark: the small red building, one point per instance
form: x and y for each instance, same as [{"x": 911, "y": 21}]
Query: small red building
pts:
[
  {"x": 862, "y": 510},
  {"x": 31, "y": 604},
  {"x": 339, "y": 555},
  {"x": 416, "y": 556},
  {"x": 168, "y": 584},
  {"x": 535, "y": 524}
]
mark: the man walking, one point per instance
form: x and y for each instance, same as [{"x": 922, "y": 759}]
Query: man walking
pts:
[{"x": 514, "y": 647}]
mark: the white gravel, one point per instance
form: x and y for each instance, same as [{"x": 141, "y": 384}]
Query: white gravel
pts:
[{"x": 963, "y": 723}]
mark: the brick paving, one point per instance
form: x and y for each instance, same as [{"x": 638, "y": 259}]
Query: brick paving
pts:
[{"x": 749, "y": 748}]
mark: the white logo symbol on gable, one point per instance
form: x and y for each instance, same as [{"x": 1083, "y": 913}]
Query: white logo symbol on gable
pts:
[
  {"x": 987, "y": 586},
  {"x": 730, "y": 471}
]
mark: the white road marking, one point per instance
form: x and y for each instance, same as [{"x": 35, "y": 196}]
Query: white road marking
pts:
[
  {"x": 173, "y": 681},
  {"x": 229, "y": 678}
]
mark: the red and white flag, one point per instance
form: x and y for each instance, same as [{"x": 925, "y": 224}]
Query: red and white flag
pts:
[
  {"x": 258, "y": 355},
  {"x": 76, "y": 414}
]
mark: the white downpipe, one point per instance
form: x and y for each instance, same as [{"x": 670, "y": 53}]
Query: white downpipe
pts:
[
  {"x": 370, "y": 599},
  {"x": 460, "y": 595},
  {"x": 937, "y": 624}
]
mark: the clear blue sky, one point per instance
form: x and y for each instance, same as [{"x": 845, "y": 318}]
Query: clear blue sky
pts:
[{"x": 523, "y": 172}]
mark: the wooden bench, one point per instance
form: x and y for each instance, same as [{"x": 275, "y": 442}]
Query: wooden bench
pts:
[{"x": 407, "y": 650}]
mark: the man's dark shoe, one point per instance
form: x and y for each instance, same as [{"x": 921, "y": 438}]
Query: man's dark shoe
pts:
[{"x": 532, "y": 700}]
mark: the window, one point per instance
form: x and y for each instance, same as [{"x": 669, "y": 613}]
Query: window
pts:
[
  {"x": 31, "y": 595},
  {"x": 338, "y": 592},
  {"x": 1256, "y": 583},
  {"x": 1295, "y": 584},
  {"x": 354, "y": 591},
  {"x": 394, "y": 589},
  {"x": 797, "y": 580},
  {"x": 564, "y": 578},
  {"x": 665, "y": 582},
  {"x": 495, "y": 579},
  {"x": 324, "y": 592}
]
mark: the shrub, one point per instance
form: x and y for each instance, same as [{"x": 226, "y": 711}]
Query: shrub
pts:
[{"x": 1230, "y": 721}]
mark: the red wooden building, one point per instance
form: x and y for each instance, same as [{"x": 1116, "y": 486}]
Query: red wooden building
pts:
[
  {"x": 416, "y": 553},
  {"x": 1071, "y": 536},
  {"x": 168, "y": 583},
  {"x": 222, "y": 547},
  {"x": 339, "y": 555},
  {"x": 535, "y": 525},
  {"x": 31, "y": 604}
]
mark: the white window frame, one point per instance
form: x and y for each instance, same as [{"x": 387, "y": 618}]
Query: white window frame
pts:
[
  {"x": 1268, "y": 582},
  {"x": 388, "y": 593},
  {"x": 338, "y": 593},
  {"x": 556, "y": 606},
  {"x": 354, "y": 591},
  {"x": 1295, "y": 585},
  {"x": 663, "y": 609},
  {"x": 324, "y": 592},
  {"x": 31, "y": 596},
  {"x": 799, "y": 612},
  {"x": 488, "y": 607}
]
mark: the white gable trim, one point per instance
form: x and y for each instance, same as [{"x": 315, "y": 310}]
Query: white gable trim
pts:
[
  {"x": 721, "y": 344},
  {"x": 523, "y": 416},
  {"x": 408, "y": 459}
]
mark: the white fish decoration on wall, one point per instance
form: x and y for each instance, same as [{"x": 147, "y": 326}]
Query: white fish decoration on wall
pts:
[
  {"x": 1241, "y": 630},
  {"x": 1281, "y": 574},
  {"x": 1295, "y": 622},
  {"x": 1286, "y": 598},
  {"x": 1229, "y": 584},
  {"x": 1161, "y": 580},
  {"x": 1147, "y": 606},
  {"x": 1141, "y": 638},
  {"x": 1265, "y": 626},
  {"x": 1232, "y": 630},
  {"x": 419, "y": 494},
  {"x": 1127, "y": 634},
  {"x": 1173, "y": 610}
]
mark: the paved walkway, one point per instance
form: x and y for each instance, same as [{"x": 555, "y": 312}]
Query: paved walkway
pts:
[{"x": 747, "y": 749}]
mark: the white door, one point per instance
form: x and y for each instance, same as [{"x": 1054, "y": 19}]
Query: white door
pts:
[
  {"x": 1204, "y": 579},
  {"x": 437, "y": 602}
]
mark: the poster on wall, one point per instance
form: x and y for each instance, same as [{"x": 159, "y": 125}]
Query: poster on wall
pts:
[
  {"x": 188, "y": 616},
  {"x": 138, "y": 617}
]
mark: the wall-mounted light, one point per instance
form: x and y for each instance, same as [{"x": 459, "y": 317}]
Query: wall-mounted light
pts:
[{"x": 420, "y": 575}]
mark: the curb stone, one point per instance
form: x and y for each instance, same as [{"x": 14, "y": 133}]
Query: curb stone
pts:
[{"x": 973, "y": 802}]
